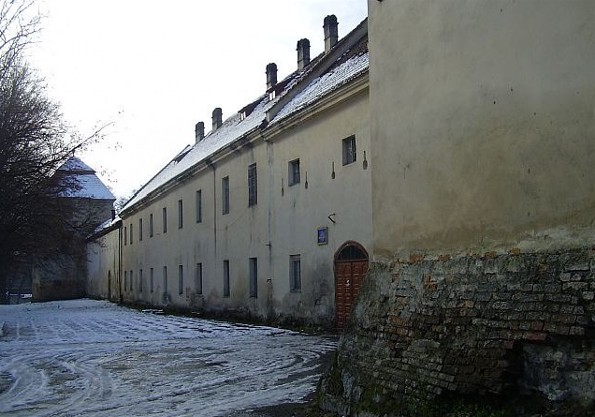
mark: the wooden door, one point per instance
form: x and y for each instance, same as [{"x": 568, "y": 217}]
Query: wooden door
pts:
[{"x": 351, "y": 267}]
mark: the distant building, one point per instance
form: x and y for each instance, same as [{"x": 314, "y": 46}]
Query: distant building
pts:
[{"x": 90, "y": 203}]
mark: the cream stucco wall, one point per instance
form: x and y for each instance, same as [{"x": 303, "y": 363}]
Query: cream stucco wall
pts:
[
  {"x": 482, "y": 124},
  {"x": 103, "y": 260},
  {"x": 284, "y": 221}
]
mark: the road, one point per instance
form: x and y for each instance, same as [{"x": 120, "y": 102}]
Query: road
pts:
[{"x": 93, "y": 358}]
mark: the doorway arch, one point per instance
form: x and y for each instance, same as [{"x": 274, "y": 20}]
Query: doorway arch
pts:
[{"x": 351, "y": 267}]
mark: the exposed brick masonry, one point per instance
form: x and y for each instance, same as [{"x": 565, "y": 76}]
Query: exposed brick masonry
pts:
[{"x": 492, "y": 324}]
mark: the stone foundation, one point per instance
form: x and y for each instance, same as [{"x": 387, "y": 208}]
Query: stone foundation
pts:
[{"x": 499, "y": 326}]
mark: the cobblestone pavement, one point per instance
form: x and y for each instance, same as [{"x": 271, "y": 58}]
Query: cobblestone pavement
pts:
[{"x": 93, "y": 358}]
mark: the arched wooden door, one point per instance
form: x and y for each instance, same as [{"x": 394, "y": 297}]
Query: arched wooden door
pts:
[{"x": 351, "y": 267}]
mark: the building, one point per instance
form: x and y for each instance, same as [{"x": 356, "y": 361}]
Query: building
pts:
[
  {"x": 483, "y": 142},
  {"x": 89, "y": 203},
  {"x": 267, "y": 216}
]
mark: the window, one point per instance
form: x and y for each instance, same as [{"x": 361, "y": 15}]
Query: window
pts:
[
  {"x": 151, "y": 280},
  {"x": 125, "y": 281},
  {"x": 226, "y": 278},
  {"x": 199, "y": 206},
  {"x": 131, "y": 233},
  {"x": 180, "y": 279},
  {"x": 295, "y": 273},
  {"x": 293, "y": 174},
  {"x": 164, "y": 219},
  {"x": 225, "y": 195},
  {"x": 349, "y": 150},
  {"x": 252, "y": 191},
  {"x": 180, "y": 214},
  {"x": 125, "y": 239},
  {"x": 140, "y": 229},
  {"x": 151, "y": 225},
  {"x": 140, "y": 280},
  {"x": 131, "y": 286},
  {"x": 253, "y": 278},
  {"x": 165, "y": 279},
  {"x": 198, "y": 278}
]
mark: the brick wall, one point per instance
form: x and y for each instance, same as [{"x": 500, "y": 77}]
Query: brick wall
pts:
[{"x": 497, "y": 324}]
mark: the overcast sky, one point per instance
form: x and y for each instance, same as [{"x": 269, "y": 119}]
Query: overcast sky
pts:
[{"x": 155, "y": 68}]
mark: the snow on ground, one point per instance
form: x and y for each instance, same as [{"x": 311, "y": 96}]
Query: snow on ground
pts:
[{"x": 94, "y": 358}]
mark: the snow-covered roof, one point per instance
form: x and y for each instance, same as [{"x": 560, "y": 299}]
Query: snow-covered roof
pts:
[
  {"x": 74, "y": 164},
  {"x": 232, "y": 129},
  {"x": 353, "y": 63},
  {"x": 105, "y": 227},
  {"x": 86, "y": 184},
  {"x": 325, "y": 84}
]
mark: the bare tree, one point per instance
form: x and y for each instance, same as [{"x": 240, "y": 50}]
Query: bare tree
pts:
[{"x": 34, "y": 141}]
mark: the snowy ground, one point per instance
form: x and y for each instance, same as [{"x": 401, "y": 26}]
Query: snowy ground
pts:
[{"x": 92, "y": 358}]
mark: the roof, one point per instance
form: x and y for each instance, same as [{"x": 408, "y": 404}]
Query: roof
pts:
[
  {"x": 85, "y": 183},
  {"x": 299, "y": 90}
]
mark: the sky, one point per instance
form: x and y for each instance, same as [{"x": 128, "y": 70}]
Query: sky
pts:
[{"x": 153, "y": 69}]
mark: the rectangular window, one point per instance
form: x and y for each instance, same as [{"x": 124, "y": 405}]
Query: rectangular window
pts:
[
  {"x": 252, "y": 185},
  {"x": 199, "y": 206},
  {"x": 140, "y": 280},
  {"x": 131, "y": 286},
  {"x": 165, "y": 279},
  {"x": 151, "y": 225},
  {"x": 293, "y": 174},
  {"x": 180, "y": 279},
  {"x": 125, "y": 281},
  {"x": 225, "y": 195},
  {"x": 349, "y": 150},
  {"x": 295, "y": 273},
  {"x": 226, "y": 278},
  {"x": 140, "y": 229},
  {"x": 253, "y": 277},
  {"x": 164, "y": 219},
  {"x": 151, "y": 280},
  {"x": 125, "y": 238},
  {"x": 131, "y": 233},
  {"x": 198, "y": 278},
  {"x": 180, "y": 214}
]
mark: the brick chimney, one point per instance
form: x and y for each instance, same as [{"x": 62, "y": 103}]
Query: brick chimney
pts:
[
  {"x": 199, "y": 131},
  {"x": 271, "y": 75},
  {"x": 303, "y": 53},
  {"x": 217, "y": 118},
  {"x": 331, "y": 32}
]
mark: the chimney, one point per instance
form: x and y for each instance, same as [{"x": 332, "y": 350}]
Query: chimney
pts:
[
  {"x": 217, "y": 118},
  {"x": 303, "y": 53},
  {"x": 271, "y": 75},
  {"x": 199, "y": 131},
  {"x": 331, "y": 32}
]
